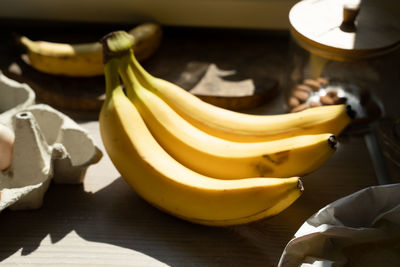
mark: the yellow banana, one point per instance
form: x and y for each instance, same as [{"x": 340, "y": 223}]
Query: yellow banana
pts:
[
  {"x": 220, "y": 158},
  {"x": 85, "y": 60},
  {"x": 170, "y": 186},
  {"x": 242, "y": 127}
]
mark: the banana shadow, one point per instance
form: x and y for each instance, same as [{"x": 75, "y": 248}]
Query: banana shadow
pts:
[{"x": 116, "y": 215}]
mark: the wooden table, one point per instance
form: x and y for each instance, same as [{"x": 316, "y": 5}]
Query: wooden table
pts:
[{"x": 104, "y": 223}]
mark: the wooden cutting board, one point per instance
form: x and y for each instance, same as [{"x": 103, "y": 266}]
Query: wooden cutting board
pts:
[
  {"x": 219, "y": 88},
  {"x": 82, "y": 98}
]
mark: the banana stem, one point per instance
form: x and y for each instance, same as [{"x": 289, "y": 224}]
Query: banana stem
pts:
[
  {"x": 111, "y": 76},
  {"x": 116, "y": 44},
  {"x": 129, "y": 78},
  {"x": 118, "y": 55},
  {"x": 133, "y": 74},
  {"x": 138, "y": 69}
]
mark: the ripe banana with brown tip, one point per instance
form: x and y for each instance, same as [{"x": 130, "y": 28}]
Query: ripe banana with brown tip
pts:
[
  {"x": 220, "y": 158},
  {"x": 242, "y": 127},
  {"x": 86, "y": 59},
  {"x": 167, "y": 184}
]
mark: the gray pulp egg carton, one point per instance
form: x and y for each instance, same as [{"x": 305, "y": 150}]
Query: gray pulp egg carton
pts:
[{"x": 49, "y": 146}]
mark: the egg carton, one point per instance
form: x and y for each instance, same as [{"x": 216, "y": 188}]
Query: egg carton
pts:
[{"x": 49, "y": 146}]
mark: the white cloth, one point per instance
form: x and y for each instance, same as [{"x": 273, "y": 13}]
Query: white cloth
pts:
[{"x": 362, "y": 229}]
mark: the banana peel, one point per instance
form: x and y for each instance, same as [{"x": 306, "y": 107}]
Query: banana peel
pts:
[{"x": 85, "y": 59}]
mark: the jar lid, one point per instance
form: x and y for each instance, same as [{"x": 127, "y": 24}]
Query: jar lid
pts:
[{"x": 345, "y": 29}]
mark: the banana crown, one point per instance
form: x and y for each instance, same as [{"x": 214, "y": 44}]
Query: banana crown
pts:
[{"x": 116, "y": 43}]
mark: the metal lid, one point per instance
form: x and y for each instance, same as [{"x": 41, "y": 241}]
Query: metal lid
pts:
[{"x": 345, "y": 30}]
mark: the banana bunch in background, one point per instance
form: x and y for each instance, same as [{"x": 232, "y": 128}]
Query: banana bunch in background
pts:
[
  {"x": 202, "y": 163},
  {"x": 85, "y": 59}
]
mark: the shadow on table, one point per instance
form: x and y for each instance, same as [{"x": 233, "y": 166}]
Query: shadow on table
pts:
[{"x": 115, "y": 215}]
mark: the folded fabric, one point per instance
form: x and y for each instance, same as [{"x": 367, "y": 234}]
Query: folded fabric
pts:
[{"x": 362, "y": 229}]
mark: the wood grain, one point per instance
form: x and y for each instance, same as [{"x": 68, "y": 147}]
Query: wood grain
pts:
[{"x": 104, "y": 223}]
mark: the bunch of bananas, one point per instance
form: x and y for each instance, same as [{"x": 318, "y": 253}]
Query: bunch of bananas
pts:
[{"x": 202, "y": 163}]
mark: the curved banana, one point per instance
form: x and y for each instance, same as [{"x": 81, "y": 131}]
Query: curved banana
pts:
[
  {"x": 242, "y": 127},
  {"x": 85, "y": 60},
  {"x": 170, "y": 186},
  {"x": 220, "y": 158}
]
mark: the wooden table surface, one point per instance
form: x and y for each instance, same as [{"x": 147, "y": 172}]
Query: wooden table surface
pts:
[{"x": 104, "y": 223}]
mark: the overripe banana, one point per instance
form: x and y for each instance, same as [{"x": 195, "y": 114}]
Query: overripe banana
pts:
[
  {"x": 170, "y": 186},
  {"x": 220, "y": 158},
  {"x": 85, "y": 60},
  {"x": 242, "y": 127}
]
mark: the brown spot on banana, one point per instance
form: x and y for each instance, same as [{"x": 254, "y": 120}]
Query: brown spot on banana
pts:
[
  {"x": 263, "y": 169},
  {"x": 277, "y": 158}
]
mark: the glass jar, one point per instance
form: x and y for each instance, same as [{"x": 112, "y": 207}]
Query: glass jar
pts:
[{"x": 337, "y": 57}]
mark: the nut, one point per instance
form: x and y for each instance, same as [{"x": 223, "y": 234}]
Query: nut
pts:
[
  {"x": 323, "y": 82},
  {"x": 326, "y": 100},
  {"x": 315, "y": 86},
  {"x": 302, "y": 96},
  {"x": 339, "y": 100},
  {"x": 332, "y": 93},
  {"x": 304, "y": 87},
  {"x": 314, "y": 104},
  {"x": 293, "y": 102},
  {"x": 300, "y": 107}
]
